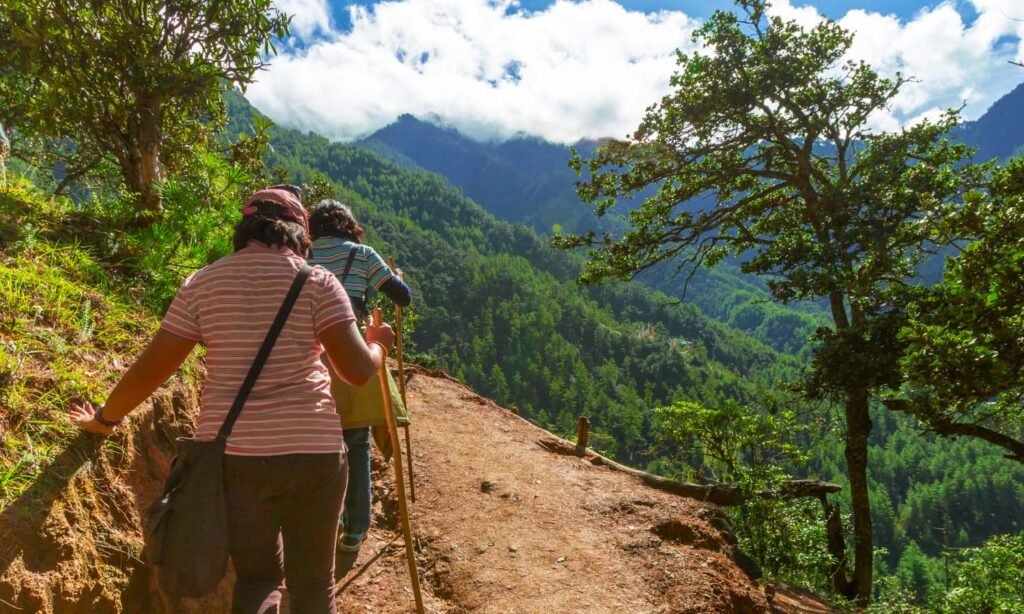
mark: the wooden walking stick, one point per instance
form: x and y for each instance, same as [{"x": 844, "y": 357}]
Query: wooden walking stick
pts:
[
  {"x": 401, "y": 389},
  {"x": 403, "y": 508}
]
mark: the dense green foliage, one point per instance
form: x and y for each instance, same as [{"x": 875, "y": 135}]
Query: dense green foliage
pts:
[
  {"x": 988, "y": 579},
  {"x": 127, "y": 83},
  {"x": 965, "y": 361},
  {"x": 752, "y": 448}
]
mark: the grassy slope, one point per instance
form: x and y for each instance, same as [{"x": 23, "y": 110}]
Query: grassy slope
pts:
[
  {"x": 65, "y": 330},
  {"x": 70, "y": 502}
]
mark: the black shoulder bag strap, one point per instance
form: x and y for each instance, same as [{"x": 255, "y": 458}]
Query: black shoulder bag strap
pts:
[
  {"x": 348, "y": 265},
  {"x": 358, "y": 302},
  {"x": 264, "y": 353}
]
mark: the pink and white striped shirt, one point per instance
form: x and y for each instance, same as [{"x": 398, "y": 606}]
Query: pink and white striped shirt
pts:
[{"x": 229, "y": 307}]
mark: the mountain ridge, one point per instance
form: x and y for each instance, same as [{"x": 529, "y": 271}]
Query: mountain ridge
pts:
[{"x": 998, "y": 133}]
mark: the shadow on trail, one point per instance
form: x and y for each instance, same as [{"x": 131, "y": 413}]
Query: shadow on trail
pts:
[{"x": 338, "y": 590}]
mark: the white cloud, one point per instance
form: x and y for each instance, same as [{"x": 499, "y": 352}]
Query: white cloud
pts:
[
  {"x": 309, "y": 17},
  {"x": 490, "y": 68},
  {"x": 952, "y": 63},
  {"x": 585, "y": 68}
]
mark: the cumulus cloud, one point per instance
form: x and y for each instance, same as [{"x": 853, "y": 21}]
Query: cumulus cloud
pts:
[
  {"x": 309, "y": 17},
  {"x": 583, "y": 68},
  {"x": 490, "y": 68},
  {"x": 952, "y": 63}
]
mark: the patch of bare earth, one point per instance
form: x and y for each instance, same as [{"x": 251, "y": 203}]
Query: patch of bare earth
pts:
[{"x": 72, "y": 543}]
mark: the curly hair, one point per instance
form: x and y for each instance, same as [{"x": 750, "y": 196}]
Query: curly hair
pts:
[
  {"x": 333, "y": 219},
  {"x": 268, "y": 227}
]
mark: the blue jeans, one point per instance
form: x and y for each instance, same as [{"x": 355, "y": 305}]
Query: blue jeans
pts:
[{"x": 356, "y": 516}]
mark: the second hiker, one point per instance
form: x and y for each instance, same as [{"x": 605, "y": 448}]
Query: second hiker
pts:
[{"x": 338, "y": 246}]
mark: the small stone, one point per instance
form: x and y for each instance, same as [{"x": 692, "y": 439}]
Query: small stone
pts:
[
  {"x": 513, "y": 547},
  {"x": 487, "y": 486},
  {"x": 561, "y": 559}
]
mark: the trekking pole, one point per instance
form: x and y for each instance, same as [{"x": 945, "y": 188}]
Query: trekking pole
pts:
[
  {"x": 403, "y": 508},
  {"x": 401, "y": 389}
]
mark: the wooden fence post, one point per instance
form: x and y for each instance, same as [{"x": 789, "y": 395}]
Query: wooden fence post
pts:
[{"x": 582, "y": 435}]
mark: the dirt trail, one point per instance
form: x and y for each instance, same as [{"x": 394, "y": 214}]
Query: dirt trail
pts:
[{"x": 505, "y": 526}]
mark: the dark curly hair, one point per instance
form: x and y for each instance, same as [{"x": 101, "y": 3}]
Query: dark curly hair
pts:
[
  {"x": 268, "y": 227},
  {"x": 333, "y": 219}
]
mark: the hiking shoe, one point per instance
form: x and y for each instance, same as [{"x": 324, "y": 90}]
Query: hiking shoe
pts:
[{"x": 349, "y": 544}]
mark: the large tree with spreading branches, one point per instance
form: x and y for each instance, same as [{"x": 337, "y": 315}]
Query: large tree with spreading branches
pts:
[
  {"x": 131, "y": 81},
  {"x": 764, "y": 151}
]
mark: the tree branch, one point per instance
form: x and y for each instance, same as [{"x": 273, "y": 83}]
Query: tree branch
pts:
[
  {"x": 947, "y": 428},
  {"x": 718, "y": 494}
]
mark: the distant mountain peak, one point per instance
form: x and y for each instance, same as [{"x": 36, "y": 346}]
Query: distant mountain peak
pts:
[{"x": 998, "y": 133}]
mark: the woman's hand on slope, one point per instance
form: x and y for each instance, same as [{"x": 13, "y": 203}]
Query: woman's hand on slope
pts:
[
  {"x": 84, "y": 416},
  {"x": 161, "y": 358}
]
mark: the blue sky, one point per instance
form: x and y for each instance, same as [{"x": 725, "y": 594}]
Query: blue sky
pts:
[
  {"x": 703, "y": 8},
  {"x": 568, "y": 69}
]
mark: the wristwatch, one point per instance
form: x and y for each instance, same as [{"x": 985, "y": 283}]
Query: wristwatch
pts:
[{"x": 107, "y": 423}]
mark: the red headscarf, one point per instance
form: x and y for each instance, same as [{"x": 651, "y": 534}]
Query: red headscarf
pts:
[{"x": 290, "y": 205}]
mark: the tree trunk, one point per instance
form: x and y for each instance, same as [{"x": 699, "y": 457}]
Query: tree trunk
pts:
[
  {"x": 858, "y": 428},
  {"x": 141, "y": 165},
  {"x": 839, "y": 570},
  {"x": 719, "y": 494}
]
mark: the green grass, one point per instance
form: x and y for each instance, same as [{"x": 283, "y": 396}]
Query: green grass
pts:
[{"x": 68, "y": 327}]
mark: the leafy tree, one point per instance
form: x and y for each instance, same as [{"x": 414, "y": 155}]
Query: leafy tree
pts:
[
  {"x": 964, "y": 361},
  {"x": 131, "y": 80},
  {"x": 749, "y": 448},
  {"x": 763, "y": 151},
  {"x": 989, "y": 579},
  {"x": 913, "y": 573}
]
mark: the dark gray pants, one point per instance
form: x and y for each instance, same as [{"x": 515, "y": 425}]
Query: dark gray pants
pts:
[{"x": 283, "y": 523}]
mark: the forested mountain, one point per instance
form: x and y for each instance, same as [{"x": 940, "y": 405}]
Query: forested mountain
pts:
[
  {"x": 525, "y": 179},
  {"x": 998, "y": 133},
  {"x": 528, "y": 180}
]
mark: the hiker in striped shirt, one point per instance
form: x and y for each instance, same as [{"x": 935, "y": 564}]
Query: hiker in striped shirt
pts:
[
  {"x": 284, "y": 467},
  {"x": 338, "y": 247}
]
